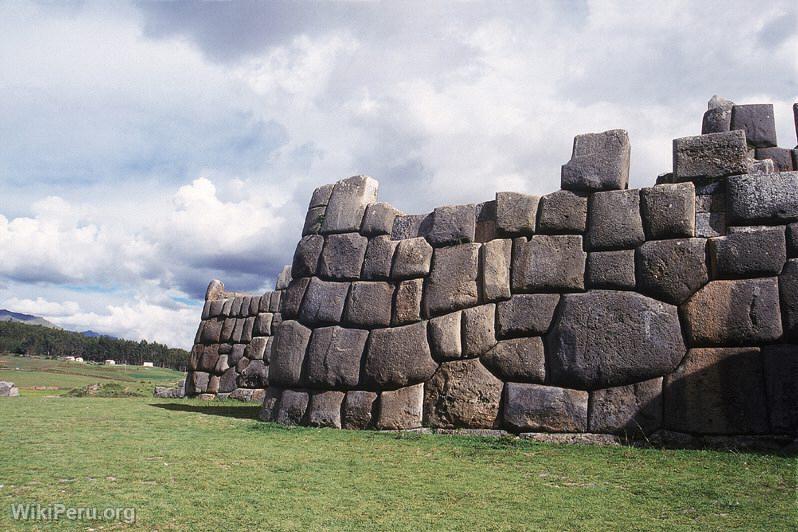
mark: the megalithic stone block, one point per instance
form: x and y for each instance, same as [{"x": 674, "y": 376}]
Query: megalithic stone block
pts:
[
  {"x": 599, "y": 161},
  {"x": 407, "y": 302},
  {"x": 614, "y": 220},
  {"x": 306, "y": 256},
  {"x": 758, "y": 123},
  {"x": 291, "y": 407},
  {"x": 358, "y": 409},
  {"x": 445, "y": 336},
  {"x": 548, "y": 263},
  {"x": 671, "y": 270},
  {"x": 348, "y": 203},
  {"x": 452, "y": 283},
  {"x": 517, "y": 360},
  {"x": 632, "y": 410},
  {"x": 283, "y": 279},
  {"x": 399, "y": 356},
  {"x": 411, "y": 259},
  {"x": 781, "y": 384},
  {"x": 781, "y": 157},
  {"x": 710, "y": 156},
  {"x": 562, "y": 212},
  {"x": 757, "y": 252},
  {"x": 379, "y": 258},
  {"x": 323, "y": 303},
  {"x": 324, "y": 409},
  {"x": 538, "y": 408},
  {"x": 768, "y": 199},
  {"x": 401, "y": 409},
  {"x": 479, "y": 330},
  {"x": 668, "y": 211},
  {"x": 455, "y": 224},
  {"x": 379, "y": 219},
  {"x": 495, "y": 259},
  {"x": 462, "y": 394},
  {"x": 411, "y": 226},
  {"x": 342, "y": 256},
  {"x": 611, "y": 269},
  {"x": 288, "y": 353},
  {"x": 369, "y": 304},
  {"x": 525, "y": 315},
  {"x": 215, "y": 290},
  {"x": 516, "y": 213},
  {"x": 717, "y": 118},
  {"x": 321, "y": 196}
]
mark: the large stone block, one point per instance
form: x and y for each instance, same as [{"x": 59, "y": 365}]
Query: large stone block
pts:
[
  {"x": 369, "y": 304},
  {"x": 668, "y": 211},
  {"x": 321, "y": 196},
  {"x": 710, "y": 156},
  {"x": 238, "y": 330},
  {"x": 246, "y": 333},
  {"x": 768, "y": 199},
  {"x": 195, "y": 356},
  {"x": 342, "y": 257},
  {"x": 399, "y": 356},
  {"x": 411, "y": 226},
  {"x": 378, "y": 219},
  {"x": 516, "y": 213},
  {"x": 479, "y": 330},
  {"x": 358, "y": 409},
  {"x": 445, "y": 336},
  {"x": 255, "y": 375},
  {"x": 611, "y": 269},
  {"x": 671, "y": 270},
  {"x": 562, "y": 212},
  {"x": 733, "y": 313},
  {"x": 334, "y": 357},
  {"x": 215, "y": 290},
  {"x": 614, "y": 220},
  {"x": 283, "y": 278},
  {"x": 216, "y": 308},
  {"x": 209, "y": 359},
  {"x": 710, "y": 224},
  {"x": 717, "y": 391},
  {"x": 379, "y": 257},
  {"x": 412, "y": 259},
  {"x": 236, "y": 354},
  {"x": 487, "y": 228},
  {"x": 525, "y": 315},
  {"x": 227, "y": 382},
  {"x": 788, "y": 290},
  {"x": 288, "y": 353},
  {"x": 634, "y": 409},
  {"x": 197, "y": 382},
  {"x": 348, "y": 203},
  {"x": 495, "y": 259},
  {"x": 605, "y": 338},
  {"x": 291, "y": 407},
  {"x": 313, "y": 220},
  {"x": 211, "y": 331},
  {"x": 401, "y": 409},
  {"x": 599, "y": 161},
  {"x": 792, "y": 240},
  {"x": 517, "y": 360},
  {"x": 758, "y": 123},
  {"x": 462, "y": 394},
  {"x": 781, "y": 157},
  {"x": 717, "y": 119},
  {"x": 263, "y": 324},
  {"x": 271, "y": 399},
  {"x": 452, "y": 225},
  {"x": 324, "y": 409},
  {"x": 407, "y": 303},
  {"x": 274, "y": 301},
  {"x": 291, "y": 298},
  {"x": 537, "y": 408},
  {"x": 452, "y": 283},
  {"x": 546, "y": 263},
  {"x": 306, "y": 256},
  {"x": 781, "y": 385},
  {"x": 256, "y": 349},
  {"x": 324, "y": 302},
  {"x": 760, "y": 252}
]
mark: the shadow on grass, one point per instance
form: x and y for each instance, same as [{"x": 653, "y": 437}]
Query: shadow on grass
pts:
[{"x": 240, "y": 412}]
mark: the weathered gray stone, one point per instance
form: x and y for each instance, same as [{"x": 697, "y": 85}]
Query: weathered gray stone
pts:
[
  {"x": 245, "y": 303},
  {"x": 290, "y": 343},
  {"x": 256, "y": 348},
  {"x": 407, "y": 303},
  {"x": 710, "y": 203},
  {"x": 401, "y": 409},
  {"x": 247, "y": 395},
  {"x": 238, "y": 330},
  {"x": 291, "y": 407},
  {"x": 221, "y": 365},
  {"x": 226, "y": 335},
  {"x": 321, "y": 196},
  {"x": 462, "y": 394},
  {"x": 209, "y": 358},
  {"x": 764, "y": 167},
  {"x": 325, "y": 409},
  {"x": 236, "y": 353},
  {"x": 216, "y": 308},
  {"x": 717, "y": 119},
  {"x": 255, "y": 375},
  {"x": 411, "y": 226},
  {"x": 517, "y": 360},
  {"x": 195, "y": 356},
  {"x": 766, "y": 198},
  {"x": 758, "y": 253},
  {"x": 452, "y": 283},
  {"x": 254, "y": 305},
  {"x": 313, "y": 220},
  {"x": 358, "y": 409},
  {"x": 487, "y": 228},
  {"x": 733, "y": 313},
  {"x": 495, "y": 259},
  {"x": 611, "y": 269},
  {"x": 265, "y": 302},
  {"x": 614, "y": 220},
  {"x": 242, "y": 364},
  {"x": 632, "y": 410},
  {"x": 546, "y": 263},
  {"x": 246, "y": 333},
  {"x": 710, "y": 156},
  {"x": 411, "y": 259},
  {"x": 334, "y": 357},
  {"x": 445, "y": 336},
  {"x": 671, "y": 270},
  {"x": 525, "y": 315},
  {"x": 348, "y": 203},
  {"x": 757, "y": 122},
  {"x": 378, "y": 219},
  {"x": 206, "y": 310},
  {"x": 717, "y": 391},
  {"x": 263, "y": 324},
  {"x": 479, "y": 330},
  {"x": 781, "y": 385},
  {"x": 215, "y": 290},
  {"x": 211, "y": 331},
  {"x": 710, "y": 224},
  {"x": 379, "y": 257},
  {"x": 399, "y": 356},
  {"x": 516, "y": 213},
  {"x": 283, "y": 278},
  {"x": 454, "y": 224},
  {"x": 599, "y": 161},
  {"x": 562, "y": 212},
  {"x": 788, "y": 289},
  {"x": 668, "y": 211},
  {"x": 268, "y": 411},
  {"x": 196, "y": 382},
  {"x": 342, "y": 257},
  {"x": 8, "y": 389},
  {"x": 224, "y": 349},
  {"x": 605, "y": 338},
  {"x": 291, "y": 298},
  {"x": 213, "y": 384},
  {"x": 274, "y": 301},
  {"x": 533, "y": 407},
  {"x": 369, "y": 304},
  {"x": 781, "y": 157},
  {"x": 227, "y": 382},
  {"x": 792, "y": 240},
  {"x": 306, "y": 256},
  {"x": 324, "y": 302}
]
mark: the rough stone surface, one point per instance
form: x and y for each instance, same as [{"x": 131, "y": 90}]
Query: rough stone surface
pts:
[
  {"x": 215, "y": 290},
  {"x": 407, "y": 303},
  {"x": 716, "y": 120},
  {"x": 211, "y": 331},
  {"x": 781, "y": 385},
  {"x": 283, "y": 279},
  {"x": 516, "y": 213},
  {"x": 606, "y": 338},
  {"x": 717, "y": 391},
  {"x": 399, "y": 356},
  {"x": 321, "y": 196},
  {"x": 197, "y": 382},
  {"x": 758, "y": 253},
  {"x": 324, "y": 409},
  {"x": 263, "y": 324},
  {"x": 378, "y": 259},
  {"x": 342, "y": 257},
  {"x": 462, "y": 394},
  {"x": 324, "y": 302},
  {"x": 227, "y": 382},
  {"x": 517, "y": 360},
  {"x": 611, "y": 269},
  {"x": 788, "y": 290},
  {"x": 792, "y": 240},
  {"x": 486, "y": 228},
  {"x": 599, "y": 161},
  {"x": 256, "y": 375},
  {"x": 378, "y": 219},
  {"x": 562, "y": 212},
  {"x": 614, "y": 220},
  {"x": 347, "y": 204},
  {"x": 291, "y": 407},
  {"x": 525, "y": 315},
  {"x": 710, "y": 156},
  {"x": 412, "y": 259},
  {"x": 209, "y": 359},
  {"x": 411, "y": 226},
  {"x": 533, "y": 407},
  {"x": 548, "y": 263},
  {"x": 271, "y": 399},
  {"x": 334, "y": 357},
  {"x": 358, "y": 409},
  {"x": 758, "y": 123},
  {"x": 762, "y": 198},
  {"x": 453, "y": 225},
  {"x": 733, "y": 313},
  {"x": 8, "y": 389},
  {"x": 781, "y": 157},
  {"x": 369, "y": 304},
  {"x": 452, "y": 283},
  {"x": 632, "y": 410},
  {"x": 479, "y": 329},
  {"x": 445, "y": 336},
  {"x": 306, "y": 256},
  {"x": 236, "y": 353},
  {"x": 313, "y": 220},
  {"x": 401, "y": 409},
  {"x": 671, "y": 270},
  {"x": 290, "y": 343},
  {"x": 494, "y": 261},
  {"x": 710, "y": 224},
  {"x": 256, "y": 348},
  {"x": 292, "y": 296},
  {"x": 668, "y": 211}
]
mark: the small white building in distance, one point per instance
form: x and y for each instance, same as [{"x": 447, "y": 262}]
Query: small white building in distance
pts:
[
  {"x": 78, "y": 359},
  {"x": 147, "y": 364},
  {"x": 110, "y": 362},
  {"x": 69, "y": 359}
]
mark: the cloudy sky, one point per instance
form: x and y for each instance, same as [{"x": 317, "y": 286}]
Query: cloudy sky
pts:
[{"x": 146, "y": 148}]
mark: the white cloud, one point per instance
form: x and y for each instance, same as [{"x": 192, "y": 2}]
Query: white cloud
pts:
[{"x": 41, "y": 306}]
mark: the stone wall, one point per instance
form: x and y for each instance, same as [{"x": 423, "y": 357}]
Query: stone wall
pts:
[{"x": 591, "y": 309}]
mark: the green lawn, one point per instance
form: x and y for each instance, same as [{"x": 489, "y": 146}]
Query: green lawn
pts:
[{"x": 197, "y": 465}]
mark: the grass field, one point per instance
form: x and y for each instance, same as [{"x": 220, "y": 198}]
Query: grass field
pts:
[{"x": 191, "y": 465}]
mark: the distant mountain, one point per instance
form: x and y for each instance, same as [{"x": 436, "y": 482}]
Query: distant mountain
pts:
[
  {"x": 95, "y": 334},
  {"x": 7, "y": 315}
]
